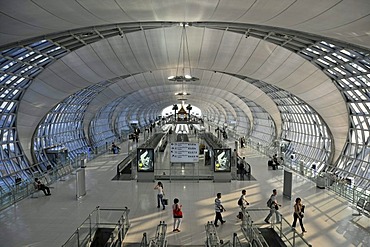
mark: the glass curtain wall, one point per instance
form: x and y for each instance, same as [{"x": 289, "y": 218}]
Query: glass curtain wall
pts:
[
  {"x": 18, "y": 67},
  {"x": 62, "y": 128},
  {"x": 123, "y": 123},
  {"x": 263, "y": 131},
  {"x": 241, "y": 126},
  {"x": 305, "y": 134},
  {"x": 102, "y": 129},
  {"x": 350, "y": 70}
]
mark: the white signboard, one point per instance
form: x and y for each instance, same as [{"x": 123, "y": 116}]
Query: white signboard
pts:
[{"x": 184, "y": 152}]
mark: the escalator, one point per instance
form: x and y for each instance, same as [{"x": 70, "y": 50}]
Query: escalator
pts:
[{"x": 271, "y": 237}]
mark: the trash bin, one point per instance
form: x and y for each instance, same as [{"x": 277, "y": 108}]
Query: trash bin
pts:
[
  {"x": 301, "y": 167},
  {"x": 321, "y": 182},
  {"x": 80, "y": 182}
]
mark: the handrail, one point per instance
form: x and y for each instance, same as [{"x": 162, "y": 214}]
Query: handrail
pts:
[
  {"x": 86, "y": 231},
  {"x": 160, "y": 236},
  {"x": 283, "y": 228},
  {"x": 26, "y": 187},
  {"x": 144, "y": 241},
  {"x": 130, "y": 157},
  {"x": 236, "y": 240},
  {"x": 212, "y": 239}
]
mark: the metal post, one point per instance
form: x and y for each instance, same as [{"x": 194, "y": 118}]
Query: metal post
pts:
[
  {"x": 78, "y": 237},
  {"x": 145, "y": 239},
  {"x": 234, "y": 239}
]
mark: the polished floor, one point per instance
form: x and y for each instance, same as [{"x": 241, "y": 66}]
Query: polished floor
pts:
[{"x": 50, "y": 221}]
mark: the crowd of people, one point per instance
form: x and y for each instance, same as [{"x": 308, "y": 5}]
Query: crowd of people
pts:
[{"x": 243, "y": 203}]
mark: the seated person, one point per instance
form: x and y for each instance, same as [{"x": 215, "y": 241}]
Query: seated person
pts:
[
  {"x": 275, "y": 162},
  {"x": 43, "y": 187},
  {"x": 115, "y": 148}
]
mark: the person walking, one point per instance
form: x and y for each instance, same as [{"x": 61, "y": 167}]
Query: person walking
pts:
[
  {"x": 177, "y": 215},
  {"x": 219, "y": 208},
  {"x": 272, "y": 203},
  {"x": 298, "y": 214},
  {"x": 160, "y": 194},
  {"x": 242, "y": 168},
  {"x": 243, "y": 203},
  {"x": 235, "y": 158}
]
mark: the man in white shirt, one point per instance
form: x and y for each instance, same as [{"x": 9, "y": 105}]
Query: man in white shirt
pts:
[
  {"x": 274, "y": 207},
  {"x": 219, "y": 209}
]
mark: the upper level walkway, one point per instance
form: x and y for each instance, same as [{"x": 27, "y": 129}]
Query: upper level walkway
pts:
[{"x": 50, "y": 221}]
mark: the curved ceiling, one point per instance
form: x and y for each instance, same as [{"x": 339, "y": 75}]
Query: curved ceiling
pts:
[
  {"x": 147, "y": 57},
  {"x": 317, "y": 17},
  {"x": 150, "y": 56}
]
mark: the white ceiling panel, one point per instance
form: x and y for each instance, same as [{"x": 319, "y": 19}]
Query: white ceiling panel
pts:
[
  {"x": 138, "y": 44},
  {"x": 123, "y": 52},
  {"x": 259, "y": 56},
  {"x": 290, "y": 66},
  {"x": 75, "y": 70},
  {"x": 109, "y": 58},
  {"x": 210, "y": 43},
  {"x": 95, "y": 68},
  {"x": 26, "y": 19},
  {"x": 242, "y": 54},
  {"x": 296, "y": 12},
  {"x": 226, "y": 50}
]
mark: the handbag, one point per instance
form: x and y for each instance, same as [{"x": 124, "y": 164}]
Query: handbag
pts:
[
  {"x": 165, "y": 201},
  {"x": 177, "y": 212}
]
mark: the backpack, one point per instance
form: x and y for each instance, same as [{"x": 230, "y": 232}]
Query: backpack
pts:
[
  {"x": 240, "y": 201},
  {"x": 269, "y": 203}
]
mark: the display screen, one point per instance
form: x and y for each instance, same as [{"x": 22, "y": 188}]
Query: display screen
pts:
[
  {"x": 145, "y": 160},
  {"x": 222, "y": 159}
]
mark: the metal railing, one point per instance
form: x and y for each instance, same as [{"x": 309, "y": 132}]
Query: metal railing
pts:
[
  {"x": 144, "y": 241},
  {"x": 131, "y": 157},
  {"x": 338, "y": 186},
  {"x": 26, "y": 188},
  {"x": 236, "y": 241},
  {"x": 116, "y": 219},
  {"x": 184, "y": 172},
  {"x": 283, "y": 228},
  {"x": 160, "y": 238},
  {"x": 212, "y": 239}
]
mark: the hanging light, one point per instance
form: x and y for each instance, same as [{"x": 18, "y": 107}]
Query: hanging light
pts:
[
  {"x": 182, "y": 94},
  {"x": 184, "y": 49}
]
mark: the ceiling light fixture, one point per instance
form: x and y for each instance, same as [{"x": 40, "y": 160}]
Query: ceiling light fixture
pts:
[
  {"x": 184, "y": 49},
  {"x": 182, "y": 93}
]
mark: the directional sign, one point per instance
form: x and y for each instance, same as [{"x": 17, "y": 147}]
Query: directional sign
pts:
[{"x": 184, "y": 152}]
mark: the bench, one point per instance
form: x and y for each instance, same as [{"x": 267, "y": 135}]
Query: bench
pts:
[{"x": 367, "y": 209}]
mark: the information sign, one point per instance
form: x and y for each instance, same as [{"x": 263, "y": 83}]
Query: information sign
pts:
[{"x": 184, "y": 152}]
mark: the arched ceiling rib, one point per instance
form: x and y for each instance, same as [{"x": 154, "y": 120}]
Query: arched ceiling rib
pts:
[{"x": 18, "y": 20}]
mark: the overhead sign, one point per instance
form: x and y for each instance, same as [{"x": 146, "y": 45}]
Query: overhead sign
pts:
[{"x": 184, "y": 152}]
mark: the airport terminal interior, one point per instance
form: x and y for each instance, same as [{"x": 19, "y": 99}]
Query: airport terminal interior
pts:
[{"x": 101, "y": 100}]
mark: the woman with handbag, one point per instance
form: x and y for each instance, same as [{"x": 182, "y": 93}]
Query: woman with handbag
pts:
[
  {"x": 177, "y": 215},
  {"x": 298, "y": 214},
  {"x": 160, "y": 194}
]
